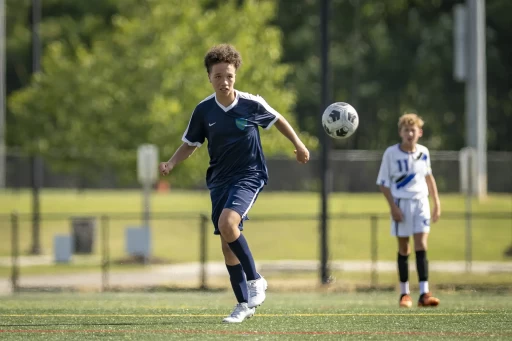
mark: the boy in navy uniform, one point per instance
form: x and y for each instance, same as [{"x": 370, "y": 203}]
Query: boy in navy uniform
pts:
[{"x": 230, "y": 119}]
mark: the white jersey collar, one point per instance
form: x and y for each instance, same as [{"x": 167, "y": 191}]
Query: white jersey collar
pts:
[{"x": 231, "y": 106}]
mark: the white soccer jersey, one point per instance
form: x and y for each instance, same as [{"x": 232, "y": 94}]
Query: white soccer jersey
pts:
[{"x": 404, "y": 173}]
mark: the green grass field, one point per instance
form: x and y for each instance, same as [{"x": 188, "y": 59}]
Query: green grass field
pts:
[
  {"x": 284, "y": 316},
  {"x": 282, "y": 225}
]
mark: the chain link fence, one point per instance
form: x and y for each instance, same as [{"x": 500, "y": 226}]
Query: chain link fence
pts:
[
  {"x": 111, "y": 252},
  {"x": 352, "y": 171}
]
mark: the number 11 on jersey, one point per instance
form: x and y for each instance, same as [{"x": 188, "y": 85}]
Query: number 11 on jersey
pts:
[{"x": 405, "y": 164}]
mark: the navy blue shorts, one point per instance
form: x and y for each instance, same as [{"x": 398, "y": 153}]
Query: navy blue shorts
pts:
[{"x": 239, "y": 197}]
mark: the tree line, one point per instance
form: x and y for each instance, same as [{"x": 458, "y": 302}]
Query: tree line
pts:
[{"x": 118, "y": 73}]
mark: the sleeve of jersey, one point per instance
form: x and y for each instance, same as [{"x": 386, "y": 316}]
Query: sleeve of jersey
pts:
[
  {"x": 266, "y": 115},
  {"x": 384, "y": 177},
  {"x": 195, "y": 134}
]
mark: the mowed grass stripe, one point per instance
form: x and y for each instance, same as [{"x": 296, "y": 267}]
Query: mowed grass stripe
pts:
[
  {"x": 259, "y": 315},
  {"x": 234, "y": 332}
]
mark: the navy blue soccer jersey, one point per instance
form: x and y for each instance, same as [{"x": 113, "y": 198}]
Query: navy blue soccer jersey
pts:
[{"x": 232, "y": 132}]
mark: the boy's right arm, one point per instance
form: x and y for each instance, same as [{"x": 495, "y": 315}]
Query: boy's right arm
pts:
[
  {"x": 396, "y": 213},
  {"x": 193, "y": 138},
  {"x": 182, "y": 153},
  {"x": 384, "y": 182}
]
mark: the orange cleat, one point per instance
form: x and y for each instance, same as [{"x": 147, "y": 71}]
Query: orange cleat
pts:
[
  {"x": 405, "y": 301},
  {"x": 427, "y": 300}
]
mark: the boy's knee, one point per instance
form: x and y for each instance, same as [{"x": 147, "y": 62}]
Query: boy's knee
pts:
[
  {"x": 403, "y": 246},
  {"x": 420, "y": 242},
  {"x": 228, "y": 225},
  {"x": 227, "y": 232},
  {"x": 404, "y": 250},
  {"x": 420, "y": 247}
]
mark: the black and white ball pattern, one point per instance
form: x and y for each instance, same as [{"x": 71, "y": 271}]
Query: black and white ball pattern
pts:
[{"x": 340, "y": 120}]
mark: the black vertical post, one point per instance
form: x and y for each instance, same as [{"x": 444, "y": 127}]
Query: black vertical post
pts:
[
  {"x": 36, "y": 160},
  {"x": 324, "y": 140},
  {"x": 36, "y": 41},
  {"x": 203, "y": 250},
  {"x": 15, "y": 251},
  {"x": 374, "y": 250},
  {"x": 36, "y": 177},
  {"x": 105, "y": 253},
  {"x": 356, "y": 65}
]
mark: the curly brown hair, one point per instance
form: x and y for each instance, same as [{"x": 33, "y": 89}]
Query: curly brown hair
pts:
[
  {"x": 410, "y": 119},
  {"x": 223, "y": 53}
]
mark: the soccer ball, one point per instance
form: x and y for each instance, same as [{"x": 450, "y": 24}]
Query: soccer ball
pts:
[{"x": 340, "y": 120}]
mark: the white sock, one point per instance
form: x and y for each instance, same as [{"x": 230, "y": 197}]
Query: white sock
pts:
[
  {"x": 404, "y": 288},
  {"x": 423, "y": 287}
]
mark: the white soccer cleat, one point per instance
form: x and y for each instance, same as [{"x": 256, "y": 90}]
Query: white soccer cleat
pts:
[
  {"x": 240, "y": 313},
  {"x": 256, "y": 290}
]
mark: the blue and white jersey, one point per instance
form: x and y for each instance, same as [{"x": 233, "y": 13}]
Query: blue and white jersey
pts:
[
  {"x": 404, "y": 173},
  {"x": 233, "y": 136}
]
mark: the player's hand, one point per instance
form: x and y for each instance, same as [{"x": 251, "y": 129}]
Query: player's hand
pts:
[
  {"x": 396, "y": 213},
  {"x": 302, "y": 154},
  {"x": 436, "y": 213},
  {"x": 164, "y": 168}
]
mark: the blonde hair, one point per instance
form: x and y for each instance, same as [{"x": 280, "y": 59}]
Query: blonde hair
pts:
[{"x": 410, "y": 119}]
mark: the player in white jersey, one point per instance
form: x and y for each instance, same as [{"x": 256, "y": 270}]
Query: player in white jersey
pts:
[{"x": 406, "y": 180}]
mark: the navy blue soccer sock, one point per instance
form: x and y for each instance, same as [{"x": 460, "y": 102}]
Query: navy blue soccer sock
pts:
[
  {"x": 422, "y": 265},
  {"x": 241, "y": 250},
  {"x": 238, "y": 282},
  {"x": 403, "y": 268}
]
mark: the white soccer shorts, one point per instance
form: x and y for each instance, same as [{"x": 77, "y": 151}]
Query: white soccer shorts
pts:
[{"x": 416, "y": 217}]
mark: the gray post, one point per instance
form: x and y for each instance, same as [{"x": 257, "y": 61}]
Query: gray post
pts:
[
  {"x": 146, "y": 199},
  {"x": 469, "y": 194},
  {"x": 481, "y": 98},
  {"x": 146, "y": 205},
  {"x": 476, "y": 90},
  {"x": 460, "y": 63},
  {"x": 470, "y": 67},
  {"x": 147, "y": 173}
]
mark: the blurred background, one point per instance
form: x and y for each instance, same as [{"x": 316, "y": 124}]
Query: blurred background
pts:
[{"x": 85, "y": 83}]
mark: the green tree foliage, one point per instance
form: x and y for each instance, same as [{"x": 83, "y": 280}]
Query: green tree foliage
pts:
[
  {"x": 388, "y": 57},
  {"x": 69, "y": 22},
  {"x": 140, "y": 83}
]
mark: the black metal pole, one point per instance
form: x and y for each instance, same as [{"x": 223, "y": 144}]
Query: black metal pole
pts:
[
  {"x": 374, "y": 250},
  {"x": 15, "y": 252},
  {"x": 36, "y": 161},
  {"x": 356, "y": 65},
  {"x": 105, "y": 253},
  {"x": 324, "y": 140},
  {"x": 36, "y": 170},
  {"x": 36, "y": 41},
  {"x": 203, "y": 250}
]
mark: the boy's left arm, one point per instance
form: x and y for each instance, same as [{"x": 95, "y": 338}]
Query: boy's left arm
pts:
[
  {"x": 302, "y": 153},
  {"x": 432, "y": 189}
]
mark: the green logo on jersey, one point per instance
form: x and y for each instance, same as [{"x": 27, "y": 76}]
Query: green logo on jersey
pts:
[{"x": 241, "y": 123}]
